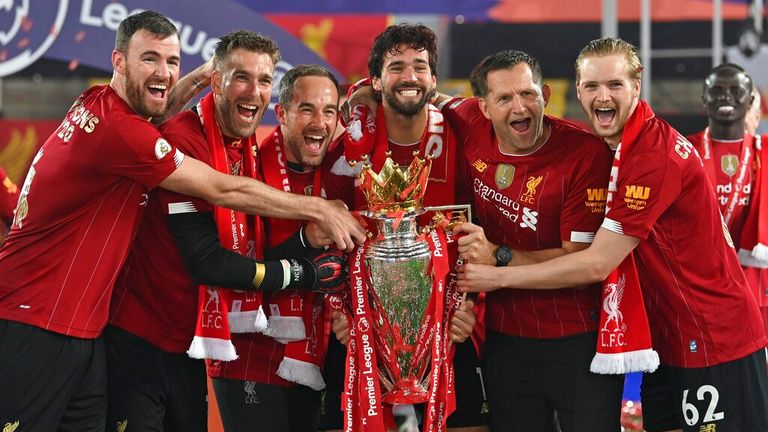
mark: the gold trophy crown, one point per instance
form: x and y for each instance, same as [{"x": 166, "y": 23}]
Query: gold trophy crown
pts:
[{"x": 392, "y": 189}]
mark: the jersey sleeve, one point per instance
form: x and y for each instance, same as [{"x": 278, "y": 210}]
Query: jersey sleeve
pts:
[
  {"x": 647, "y": 185},
  {"x": 134, "y": 148},
  {"x": 193, "y": 145},
  {"x": 584, "y": 203},
  {"x": 463, "y": 115}
]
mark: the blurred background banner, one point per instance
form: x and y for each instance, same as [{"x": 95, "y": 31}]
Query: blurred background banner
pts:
[{"x": 83, "y": 31}]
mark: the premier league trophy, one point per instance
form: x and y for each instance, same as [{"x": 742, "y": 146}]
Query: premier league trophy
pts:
[
  {"x": 399, "y": 284},
  {"x": 398, "y": 260}
]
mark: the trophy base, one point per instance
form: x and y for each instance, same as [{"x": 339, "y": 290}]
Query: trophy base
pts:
[{"x": 407, "y": 392}]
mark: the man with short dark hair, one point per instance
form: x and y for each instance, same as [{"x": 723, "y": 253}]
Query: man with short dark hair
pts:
[
  {"x": 537, "y": 182},
  {"x": 403, "y": 72},
  {"x": 275, "y": 382},
  {"x": 78, "y": 211},
  {"x": 733, "y": 160}
]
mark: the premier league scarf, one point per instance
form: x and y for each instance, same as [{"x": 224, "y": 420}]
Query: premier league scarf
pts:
[{"x": 217, "y": 307}]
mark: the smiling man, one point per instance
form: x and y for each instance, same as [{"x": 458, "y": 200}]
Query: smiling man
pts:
[
  {"x": 733, "y": 159},
  {"x": 537, "y": 182},
  {"x": 403, "y": 71},
  {"x": 705, "y": 324}
]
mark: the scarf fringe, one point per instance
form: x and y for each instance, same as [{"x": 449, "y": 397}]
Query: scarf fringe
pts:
[
  {"x": 286, "y": 329},
  {"x": 646, "y": 360},
  {"x": 760, "y": 252},
  {"x": 301, "y": 372},
  {"x": 254, "y": 321},
  {"x": 747, "y": 259},
  {"x": 212, "y": 348}
]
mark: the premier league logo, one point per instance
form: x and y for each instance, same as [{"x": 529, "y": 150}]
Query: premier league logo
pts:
[{"x": 27, "y": 30}]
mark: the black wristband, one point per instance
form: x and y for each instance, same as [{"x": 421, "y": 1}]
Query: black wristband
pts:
[{"x": 301, "y": 274}]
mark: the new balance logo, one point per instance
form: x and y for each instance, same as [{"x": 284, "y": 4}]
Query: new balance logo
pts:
[{"x": 530, "y": 218}]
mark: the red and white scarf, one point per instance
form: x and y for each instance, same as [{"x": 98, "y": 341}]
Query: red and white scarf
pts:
[
  {"x": 221, "y": 311},
  {"x": 296, "y": 317},
  {"x": 624, "y": 338},
  {"x": 361, "y": 400}
]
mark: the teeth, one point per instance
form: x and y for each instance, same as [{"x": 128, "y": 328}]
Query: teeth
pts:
[
  {"x": 409, "y": 92},
  {"x": 314, "y": 137},
  {"x": 726, "y": 109},
  {"x": 248, "y": 107},
  {"x": 158, "y": 86},
  {"x": 604, "y": 109}
]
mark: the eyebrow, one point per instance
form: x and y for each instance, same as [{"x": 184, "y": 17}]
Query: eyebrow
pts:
[{"x": 157, "y": 54}]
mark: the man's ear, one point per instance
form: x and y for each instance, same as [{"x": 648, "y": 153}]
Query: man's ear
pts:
[
  {"x": 484, "y": 108},
  {"x": 118, "y": 62},
  {"x": 216, "y": 81},
  {"x": 377, "y": 84},
  {"x": 546, "y": 92},
  {"x": 280, "y": 113}
]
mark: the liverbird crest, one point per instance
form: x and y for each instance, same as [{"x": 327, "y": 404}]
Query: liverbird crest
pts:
[{"x": 393, "y": 189}]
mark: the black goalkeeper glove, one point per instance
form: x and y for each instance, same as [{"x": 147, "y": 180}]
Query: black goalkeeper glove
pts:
[{"x": 326, "y": 272}]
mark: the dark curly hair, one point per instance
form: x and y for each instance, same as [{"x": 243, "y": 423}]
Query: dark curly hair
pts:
[{"x": 418, "y": 37}]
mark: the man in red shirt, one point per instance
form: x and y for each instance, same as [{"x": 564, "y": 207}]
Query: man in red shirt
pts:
[
  {"x": 78, "y": 211},
  {"x": 275, "y": 384},
  {"x": 403, "y": 70},
  {"x": 733, "y": 159},
  {"x": 705, "y": 324},
  {"x": 537, "y": 182}
]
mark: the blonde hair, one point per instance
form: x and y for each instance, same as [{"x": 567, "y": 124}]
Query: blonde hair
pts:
[{"x": 611, "y": 46}]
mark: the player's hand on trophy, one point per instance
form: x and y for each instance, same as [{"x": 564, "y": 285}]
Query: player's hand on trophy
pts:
[
  {"x": 315, "y": 236},
  {"x": 335, "y": 220},
  {"x": 330, "y": 271},
  {"x": 340, "y": 327},
  {"x": 463, "y": 321},
  {"x": 473, "y": 246},
  {"x": 479, "y": 277}
]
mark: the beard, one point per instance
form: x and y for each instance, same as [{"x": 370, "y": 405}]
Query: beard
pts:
[
  {"x": 408, "y": 109},
  {"x": 228, "y": 112},
  {"x": 139, "y": 102}
]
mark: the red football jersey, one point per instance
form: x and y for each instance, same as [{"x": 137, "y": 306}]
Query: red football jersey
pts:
[
  {"x": 532, "y": 202},
  {"x": 78, "y": 212},
  {"x": 726, "y": 155},
  {"x": 699, "y": 307},
  {"x": 154, "y": 297}
]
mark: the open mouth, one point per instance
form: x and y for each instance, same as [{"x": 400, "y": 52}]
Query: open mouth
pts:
[
  {"x": 314, "y": 141},
  {"x": 158, "y": 90},
  {"x": 605, "y": 115},
  {"x": 521, "y": 126},
  {"x": 409, "y": 92},
  {"x": 247, "y": 112},
  {"x": 725, "y": 109}
]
